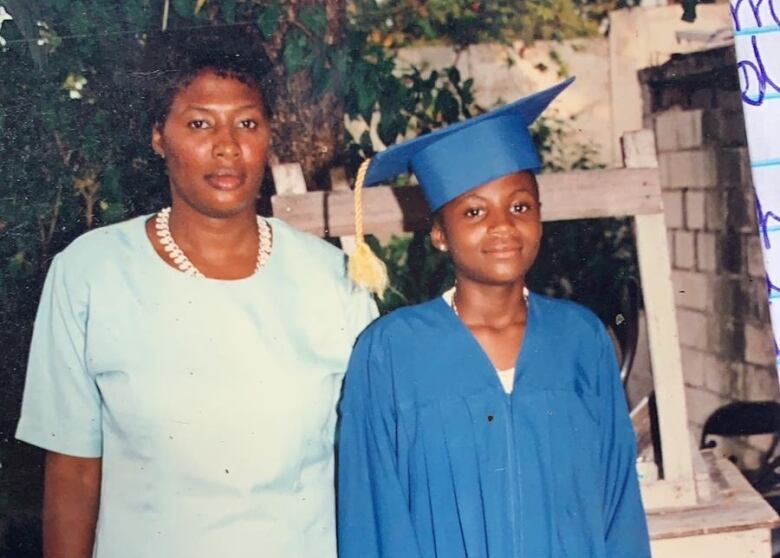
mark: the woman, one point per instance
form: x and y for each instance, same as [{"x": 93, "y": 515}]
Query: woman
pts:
[
  {"x": 489, "y": 422},
  {"x": 185, "y": 366}
]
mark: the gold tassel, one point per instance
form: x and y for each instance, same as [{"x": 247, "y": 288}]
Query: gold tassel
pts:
[{"x": 364, "y": 267}]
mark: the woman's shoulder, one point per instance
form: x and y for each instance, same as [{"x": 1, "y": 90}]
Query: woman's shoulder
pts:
[
  {"x": 103, "y": 244},
  {"x": 302, "y": 249}
]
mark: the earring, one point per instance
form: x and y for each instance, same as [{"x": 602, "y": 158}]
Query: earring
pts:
[{"x": 442, "y": 247}]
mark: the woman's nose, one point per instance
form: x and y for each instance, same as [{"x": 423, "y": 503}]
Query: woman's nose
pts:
[{"x": 226, "y": 146}]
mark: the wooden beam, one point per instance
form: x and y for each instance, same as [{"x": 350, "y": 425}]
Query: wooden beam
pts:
[
  {"x": 570, "y": 195},
  {"x": 658, "y": 292}
]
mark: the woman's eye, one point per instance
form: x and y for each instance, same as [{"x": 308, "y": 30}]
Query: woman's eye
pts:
[
  {"x": 198, "y": 124},
  {"x": 248, "y": 124}
]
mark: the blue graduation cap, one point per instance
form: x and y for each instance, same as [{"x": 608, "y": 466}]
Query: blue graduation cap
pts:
[
  {"x": 450, "y": 162},
  {"x": 460, "y": 157}
]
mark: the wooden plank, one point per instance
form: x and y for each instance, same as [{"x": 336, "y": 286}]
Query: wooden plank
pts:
[
  {"x": 570, "y": 195},
  {"x": 658, "y": 293},
  {"x": 755, "y": 543},
  {"x": 735, "y": 507}
]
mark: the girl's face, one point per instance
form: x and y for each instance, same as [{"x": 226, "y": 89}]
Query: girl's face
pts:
[
  {"x": 215, "y": 142},
  {"x": 493, "y": 232}
]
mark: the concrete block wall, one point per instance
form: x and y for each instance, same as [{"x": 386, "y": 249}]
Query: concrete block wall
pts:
[{"x": 718, "y": 273}]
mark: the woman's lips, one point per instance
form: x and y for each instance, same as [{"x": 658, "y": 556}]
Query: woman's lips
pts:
[{"x": 225, "y": 180}]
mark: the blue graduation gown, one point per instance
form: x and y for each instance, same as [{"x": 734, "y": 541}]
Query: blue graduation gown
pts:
[{"x": 437, "y": 461}]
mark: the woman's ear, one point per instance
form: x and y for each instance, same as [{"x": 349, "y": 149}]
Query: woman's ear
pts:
[{"x": 157, "y": 141}]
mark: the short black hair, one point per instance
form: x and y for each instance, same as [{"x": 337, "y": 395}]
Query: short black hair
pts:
[{"x": 173, "y": 59}]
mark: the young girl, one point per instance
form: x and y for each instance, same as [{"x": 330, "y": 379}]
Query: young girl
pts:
[{"x": 489, "y": 422}]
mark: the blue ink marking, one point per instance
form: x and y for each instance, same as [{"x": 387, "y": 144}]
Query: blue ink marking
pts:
[
  {"x": 764, "y": 226},
  {"x": 756, "y": 11},
  {"x": 765, "y": 163},
  {"x": 761, "y": 74}
]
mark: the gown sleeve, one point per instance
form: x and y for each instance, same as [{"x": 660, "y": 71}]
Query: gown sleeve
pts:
[
  {"x": 373, "y": 511},
  {"x": 61, "y": 408},
  {"x": 625, "y": 523}
]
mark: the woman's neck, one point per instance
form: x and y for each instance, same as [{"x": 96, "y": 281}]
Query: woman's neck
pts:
[
  {"x": 494, "y": 306},
  {"x": 216, "y": 240}
]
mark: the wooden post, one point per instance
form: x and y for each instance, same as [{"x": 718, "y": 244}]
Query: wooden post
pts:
[
  {"x": 655, "y": 270},
  {"x": 288, "y": 180},
  {"x": 339, "y": 182}
]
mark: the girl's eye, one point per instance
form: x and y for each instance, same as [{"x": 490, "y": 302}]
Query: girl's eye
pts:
[
  {"x": 473, "y": 212},
  {"x": 520, "y": 207},
  {"x": 198, "y": 124},
  {"x": 248, "y": 124}
]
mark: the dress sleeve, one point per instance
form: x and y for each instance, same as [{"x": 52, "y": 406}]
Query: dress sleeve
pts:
[
  {"x": 624, "y": 516},
  {"x": 61, "y": 408},
  {"x": 373, "y": 513}
]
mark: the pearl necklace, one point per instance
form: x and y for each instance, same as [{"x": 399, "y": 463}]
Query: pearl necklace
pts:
[
  {"x": 162, "y": 224},
  {"x": 455, "y": 306}
]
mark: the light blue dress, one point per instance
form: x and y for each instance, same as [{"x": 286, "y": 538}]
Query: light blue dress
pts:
[{"x": 211, "y": 403}]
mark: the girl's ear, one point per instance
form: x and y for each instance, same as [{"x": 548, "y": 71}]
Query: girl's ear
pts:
[{"x": 438, "y": 238}]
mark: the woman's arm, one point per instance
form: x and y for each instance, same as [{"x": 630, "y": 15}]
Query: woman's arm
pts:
[{"x": 71, "y": 501}]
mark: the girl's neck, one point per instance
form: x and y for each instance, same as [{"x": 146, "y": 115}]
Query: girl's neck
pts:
[{"x": 494, "y": 306}]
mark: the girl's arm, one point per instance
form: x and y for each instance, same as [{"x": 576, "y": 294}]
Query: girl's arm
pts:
[
  {"x": 71, "y": 500},
  {"x": 625, "y": 523},
  {"x": 373, "y": 513}
]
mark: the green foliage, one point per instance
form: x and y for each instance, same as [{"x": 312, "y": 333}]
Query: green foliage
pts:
[{"x": 465, "y": 22}]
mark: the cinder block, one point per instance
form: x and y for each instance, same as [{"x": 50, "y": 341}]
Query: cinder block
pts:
[
  {"x": 726, "y": 338},
  {"x": 728, "y": 297},
  {"x": 693, "y": 366},
  {"x": 706, "y": 252},
  {"x": 688, "y": 169},
  {"x": 692, "y": 327},
  {"x": 755, "y": 257},
  {"x": 715, "y": 208},
  {"x": 756, "y": 300},
  {"x": 703, "y": 99},
  {"x": 750, "y": 223},
  {"x": 730, "y": 248},
  {"x": 691, "y": 290},
  {"x": 724, "y": 126},
  {"x": 733, "y": 166},
  {"x": 729, "y": 99},
  {"x": 673, "y": 209},
  {"x": 701, "y": 404},
  {"x": 678, "y": 129},
  {"x": 761, "y": 383},
  {"x": 684, "y": 250},
  {"x": 695, "y": 210},
  {"x": 759, "y": 345},
  {"x": 721, "y": 377}
]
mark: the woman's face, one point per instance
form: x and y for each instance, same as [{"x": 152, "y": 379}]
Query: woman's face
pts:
[
  {"x": 215, "y": 143},
  {"x": 493, "y": 232}
]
